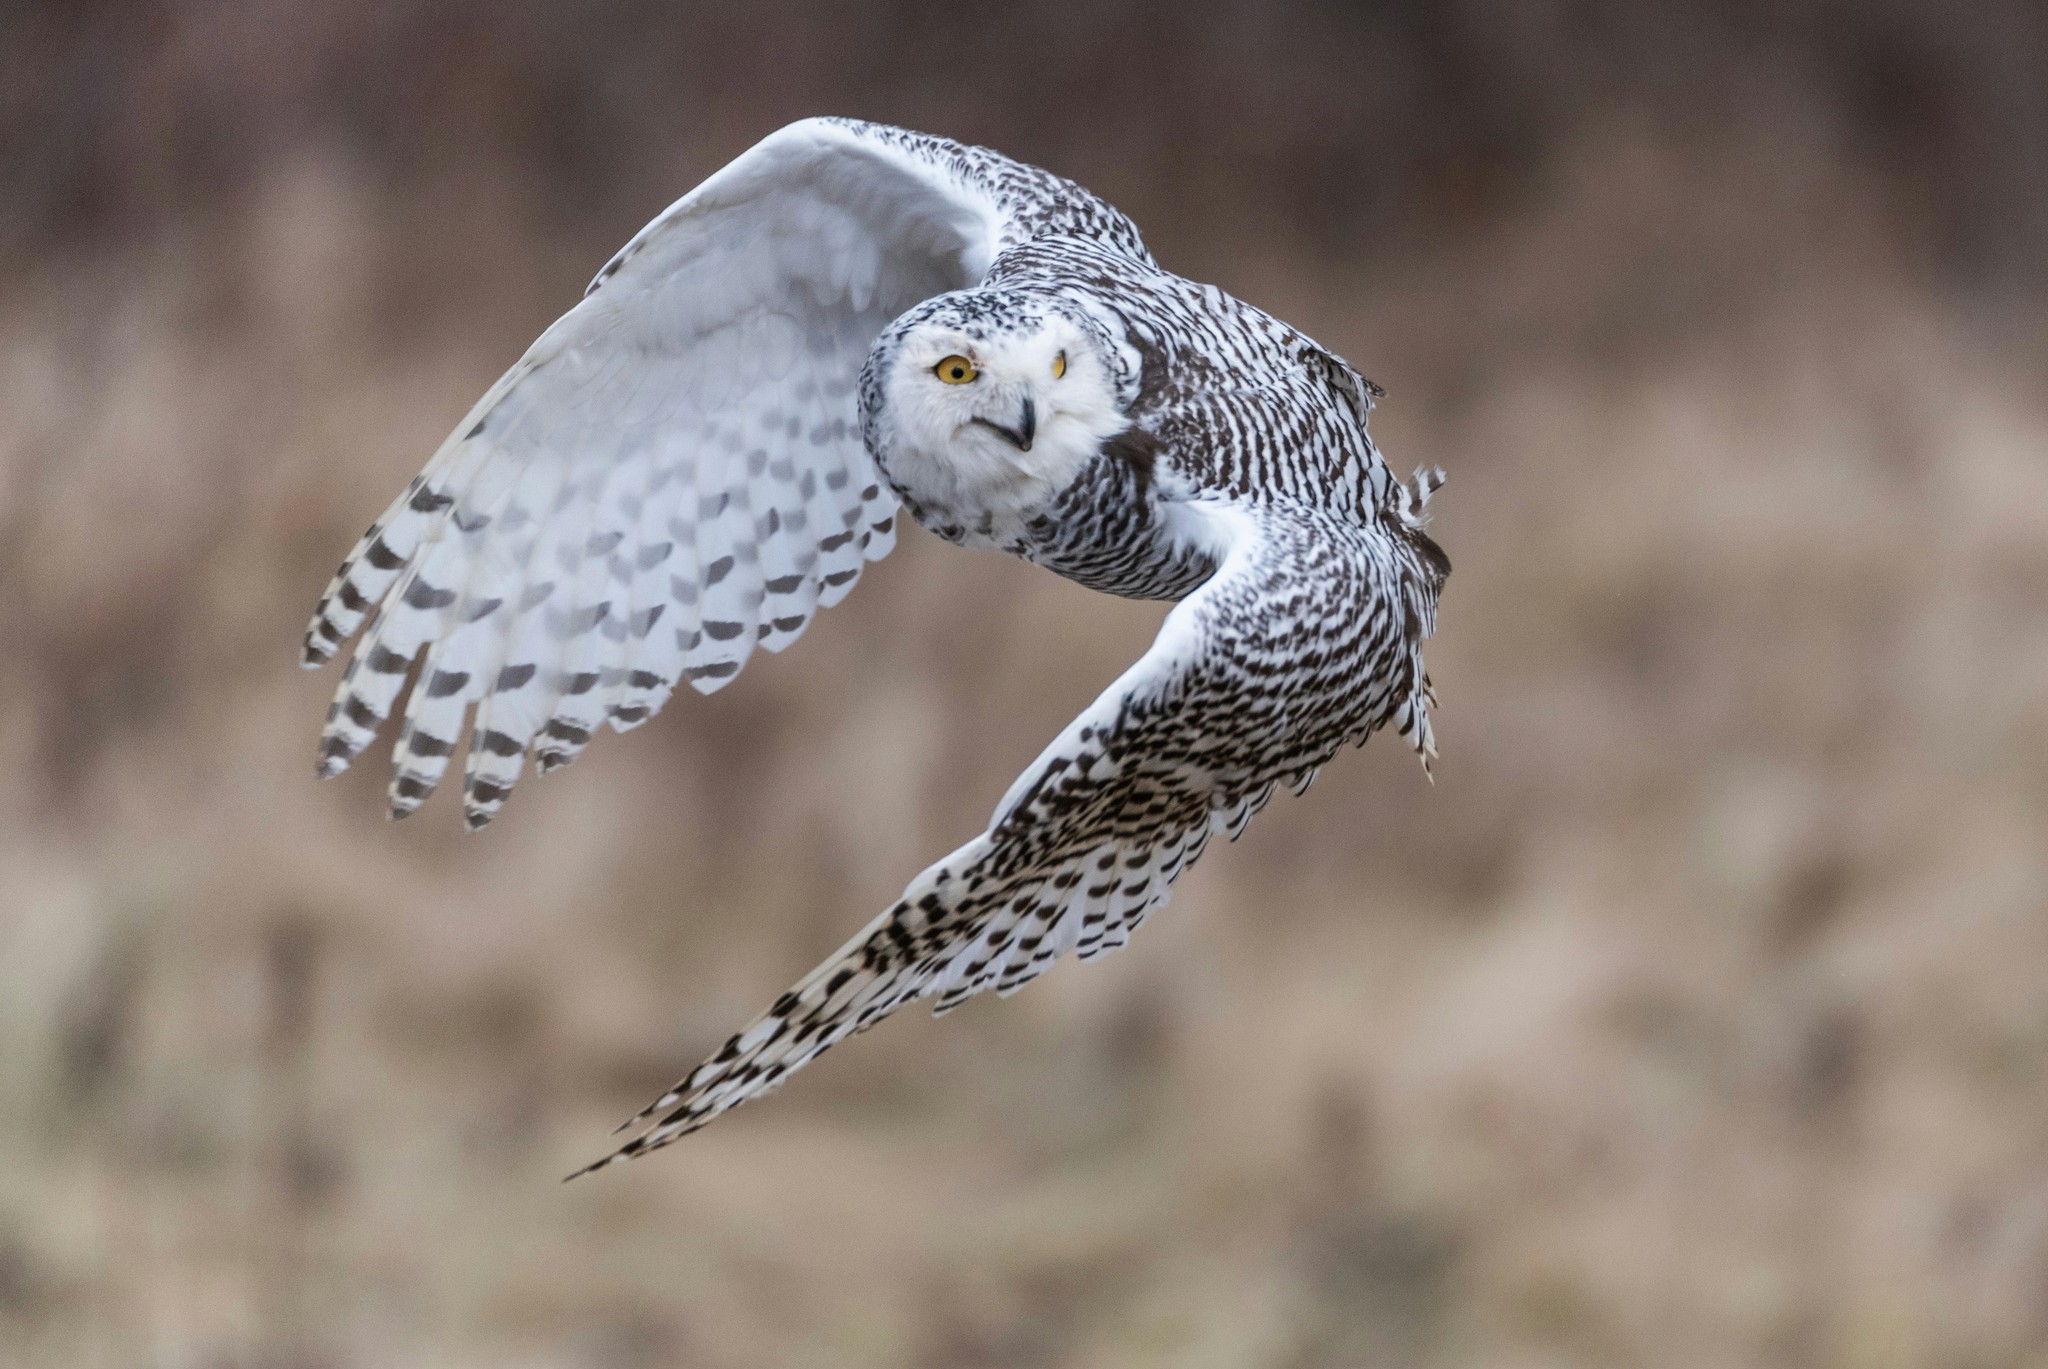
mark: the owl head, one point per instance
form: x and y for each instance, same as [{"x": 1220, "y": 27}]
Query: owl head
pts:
[{"x": 989, "y": 400}]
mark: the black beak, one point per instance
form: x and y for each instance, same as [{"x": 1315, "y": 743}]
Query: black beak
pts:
[{"x": 1021, "y": 435}]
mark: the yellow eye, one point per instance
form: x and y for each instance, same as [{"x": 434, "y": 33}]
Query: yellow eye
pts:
[
  {"x": 1059, "y": 365},
  {"x": 955, "y": 370}
]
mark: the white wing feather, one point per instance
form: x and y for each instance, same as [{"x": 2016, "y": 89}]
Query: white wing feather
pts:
[{"x": 671, "y": 475}]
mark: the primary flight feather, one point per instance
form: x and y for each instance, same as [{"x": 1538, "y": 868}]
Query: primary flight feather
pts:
[{"x": 712, "y": 443}]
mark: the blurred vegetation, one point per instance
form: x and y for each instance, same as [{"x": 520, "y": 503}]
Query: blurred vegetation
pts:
[{"x": 1696, "y": 1016}]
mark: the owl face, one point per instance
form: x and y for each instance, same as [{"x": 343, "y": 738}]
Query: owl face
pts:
[{"x": 981, "y": 407}]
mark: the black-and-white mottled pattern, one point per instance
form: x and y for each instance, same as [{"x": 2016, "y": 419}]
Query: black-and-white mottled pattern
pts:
[{"x": 700, "y": 454}]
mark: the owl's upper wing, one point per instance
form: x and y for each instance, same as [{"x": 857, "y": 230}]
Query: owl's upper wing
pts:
[
  {"x": 671, "y": 474},
  {"x": 1308, "y": 636}
]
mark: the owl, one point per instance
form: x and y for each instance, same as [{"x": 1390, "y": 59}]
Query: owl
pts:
[{"x": 848, "y": 323}]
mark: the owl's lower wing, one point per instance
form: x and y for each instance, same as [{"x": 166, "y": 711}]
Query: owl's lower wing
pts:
[
  {"x": 671, "y": 475},
  {"x": 1308, "y": 636}
]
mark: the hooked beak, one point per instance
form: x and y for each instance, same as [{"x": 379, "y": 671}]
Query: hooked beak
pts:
[{"x": 1021, "y": 435}]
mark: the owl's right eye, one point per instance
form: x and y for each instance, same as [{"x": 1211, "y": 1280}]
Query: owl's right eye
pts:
[{"x": 955, "y": 370}]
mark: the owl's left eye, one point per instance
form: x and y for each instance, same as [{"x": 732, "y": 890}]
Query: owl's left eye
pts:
[
  {"x": 1059, "y": 365},
  {"x": 955, "y": 370}
]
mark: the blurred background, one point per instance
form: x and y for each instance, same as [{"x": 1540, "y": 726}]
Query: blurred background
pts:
[{"x": 1697, "y": 1015}]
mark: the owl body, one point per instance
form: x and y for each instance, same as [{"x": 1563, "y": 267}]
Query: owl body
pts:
[{"x": 1208, "y": 396}]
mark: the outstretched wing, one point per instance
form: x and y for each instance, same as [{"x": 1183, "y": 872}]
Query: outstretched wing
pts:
[
  {"x": 671, "y": 475},
  {"x": 1309, "y": 635}
]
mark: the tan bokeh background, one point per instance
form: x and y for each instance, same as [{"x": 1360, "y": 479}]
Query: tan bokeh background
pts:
[{"x": 1697, "y": 1015}]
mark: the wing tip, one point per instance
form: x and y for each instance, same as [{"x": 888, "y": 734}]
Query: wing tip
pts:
[
  {"x": 336, "y": 755},
  {"x": 712, "y": 676},
  {"x": 408, "y": 791},
  {"x": 616, "y": 1157},
  {"x": 660, "y": 1136},
  {"x": 319, "y": 645}
]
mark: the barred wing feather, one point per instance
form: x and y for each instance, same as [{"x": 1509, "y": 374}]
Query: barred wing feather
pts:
[
  {"x": 670, "y": 476},
  {"x": 1256, "y": 679}
]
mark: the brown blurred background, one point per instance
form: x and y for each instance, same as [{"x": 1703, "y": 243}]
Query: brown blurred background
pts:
[{"x": 1697, "y": 1015}]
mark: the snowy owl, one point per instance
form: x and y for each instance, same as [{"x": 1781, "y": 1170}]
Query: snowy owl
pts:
[{"x": 709, "y": 446}]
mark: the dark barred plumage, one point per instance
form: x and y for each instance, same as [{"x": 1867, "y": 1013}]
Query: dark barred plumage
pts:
[{"x": 672, "y": 474}]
